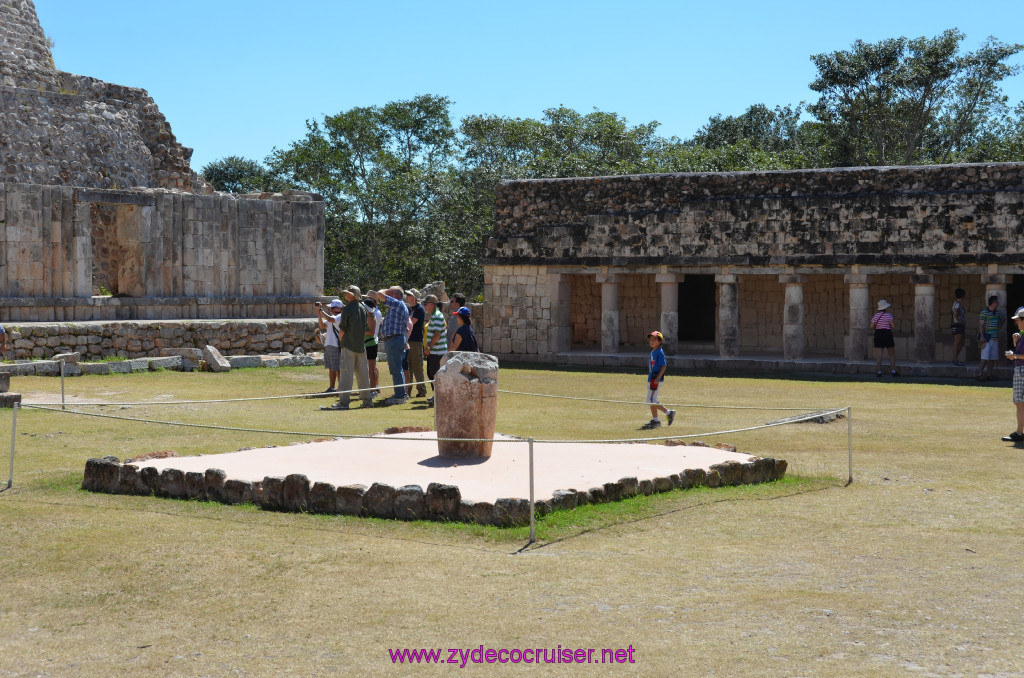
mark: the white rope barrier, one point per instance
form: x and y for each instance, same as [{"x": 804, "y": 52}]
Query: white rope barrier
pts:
[
  {"x": 512, "y": 439},
  {"x": 356, "y": 391}
]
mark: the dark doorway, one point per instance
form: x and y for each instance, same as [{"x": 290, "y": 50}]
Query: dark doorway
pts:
[{"x": 697, "y": 315}]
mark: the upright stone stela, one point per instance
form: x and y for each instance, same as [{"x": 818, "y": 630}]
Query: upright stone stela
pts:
[{"x": 466, "y": 404}]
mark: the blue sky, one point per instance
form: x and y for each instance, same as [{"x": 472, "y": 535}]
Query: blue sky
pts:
[{"x": 240, "y": 77}]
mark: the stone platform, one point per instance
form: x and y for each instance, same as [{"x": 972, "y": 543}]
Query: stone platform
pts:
[{"x": 402, "y": 476}]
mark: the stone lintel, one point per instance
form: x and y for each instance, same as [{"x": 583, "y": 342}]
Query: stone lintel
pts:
[
  {"x": 727, "y": 279},
  {"x": 609, "y": 278},
  {"x": 791, "y": 279},
  {"x": 114, "y": 197},
  {"x": 855, "y": 279},
  {"x": 668, "y": 278}
]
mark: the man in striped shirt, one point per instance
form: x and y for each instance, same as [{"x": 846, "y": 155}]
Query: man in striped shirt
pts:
[
  {"x": 989, "y": 321},
  {"x": 435, "y": 341}
]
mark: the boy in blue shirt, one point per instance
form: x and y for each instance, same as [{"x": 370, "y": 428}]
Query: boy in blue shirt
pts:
[{"x": 655, "y": 376}]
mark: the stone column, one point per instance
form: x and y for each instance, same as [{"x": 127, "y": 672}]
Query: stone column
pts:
[
  {"x": 609, "y": 312},
  {"x": 793, "y": 317},
  {"x": 860, "y": 316},
  {"x": 561, "y": 312},
  {"x": 728, "y": 316},
  {"x": 994, "y": 285},
  {"x": 669, "y": 284},
  {"x": 924, "y": 317}
]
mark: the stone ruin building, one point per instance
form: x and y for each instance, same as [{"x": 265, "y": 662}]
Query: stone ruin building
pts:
[
  {"x": 751, "y": 269},
  {"x": 102, "y": 218}
]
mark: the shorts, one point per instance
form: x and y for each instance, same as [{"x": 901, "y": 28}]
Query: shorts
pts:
[
  {"x": 884, "y": 339},
  {"x": 1018, "y": 384},
  {"x": 371, "y": 352},
  {"x": 990, "y": 351},
  {"x": 652, "y": 394},
  {"x": 959, "y": 328},
  {"x": 332, "y": 358}
]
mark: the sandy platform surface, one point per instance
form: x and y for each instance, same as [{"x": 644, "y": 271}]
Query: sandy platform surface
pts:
[{"x": 398, "y": 462}]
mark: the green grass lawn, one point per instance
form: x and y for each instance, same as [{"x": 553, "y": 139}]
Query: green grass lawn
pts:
[{"x": 914, "y": 568}]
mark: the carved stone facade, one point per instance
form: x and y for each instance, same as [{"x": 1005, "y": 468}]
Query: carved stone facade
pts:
[
  {"x": 101, "y": 216},
  {"x": 786, "y": 264}
]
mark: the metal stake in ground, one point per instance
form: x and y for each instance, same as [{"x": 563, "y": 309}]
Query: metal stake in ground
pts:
[
  {"x": 533, "y": 529},
  {"x": 14, "y": 435}
]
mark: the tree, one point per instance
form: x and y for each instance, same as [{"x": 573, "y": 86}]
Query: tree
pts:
[
  {"x": 902, "y": 101},
  {"x": 235, "y": 174},
  {"x": 377, "y": 168}
]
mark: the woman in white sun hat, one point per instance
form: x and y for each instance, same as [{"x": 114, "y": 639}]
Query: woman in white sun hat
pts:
[{"x": 882, "y": 324}]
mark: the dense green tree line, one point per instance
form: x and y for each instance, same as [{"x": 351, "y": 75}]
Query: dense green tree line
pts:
[{"x": 410, "y": 195}]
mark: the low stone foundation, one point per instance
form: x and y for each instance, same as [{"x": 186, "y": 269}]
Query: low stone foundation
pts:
[
  {"x": 438, "y": 502},
  {"x": 141, "y": 339}
]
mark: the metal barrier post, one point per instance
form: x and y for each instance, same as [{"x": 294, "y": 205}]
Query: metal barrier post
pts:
[
  {"x": 533, "y": 527},
  {"x": 62, "y": 383},
  {"x": 849, "y": 440},
  {"x": 14, "y": 433}
]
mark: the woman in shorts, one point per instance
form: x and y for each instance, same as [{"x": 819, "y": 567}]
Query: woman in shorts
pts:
[{"x": 882, "y": 323}]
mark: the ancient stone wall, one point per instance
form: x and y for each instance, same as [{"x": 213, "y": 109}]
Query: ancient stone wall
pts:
[
  {"x": 95, "y": 340},
  {"x": 25, "y": 59},
  {"x": 65, "y": 129},
  {"x": 935, "y": 215},
  {"x": 586, "y": 311},
  {"x": 161, "y": 252}
]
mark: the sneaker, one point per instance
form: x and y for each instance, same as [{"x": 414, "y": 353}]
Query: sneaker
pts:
[
  {"x": 394, "y": 400},
  {"x": 653, "y": 423},
  {"x": 958, "y": 363},
  {"x": 331, "y": 390},
  {"x": 430, "y": 402},
  {"x": 895, "y": 373},
  {"x": 878, "y": 374},
  {"x": 336, "y": 407},
  {"x": 1014, "y": 438},
  {"x": 671, "y": 416}
]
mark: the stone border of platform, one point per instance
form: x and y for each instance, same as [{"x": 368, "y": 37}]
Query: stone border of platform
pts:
[{"x": 439, "y": 502}]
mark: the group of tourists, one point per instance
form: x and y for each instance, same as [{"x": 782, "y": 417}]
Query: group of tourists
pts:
[
  {"x": 408, "y": 327},
  {"x": 990, "y": 324}
]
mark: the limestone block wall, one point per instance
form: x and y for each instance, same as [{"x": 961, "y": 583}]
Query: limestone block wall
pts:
[
  {"x": 639, "y": 310},
  {"x": 516, "y": 315},
  {"x": 826, "y": 314},
  {"x": 586, "y": 311},
  {"x": 761, "y": 299},
  {"x": 941, "y": 215},
  {"x": 178, "y": 251},
  {"x": 137, "y": 339},
  {"x": 66, "y": 129},
  {"x": 25, "y": 59}
]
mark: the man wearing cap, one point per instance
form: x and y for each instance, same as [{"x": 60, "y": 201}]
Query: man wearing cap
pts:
[
  {"x": 351, "y": 339},
  {"x": 436, "y": 341},
  {"x": 418, "y": 316},
  {"x": 332, "y": 360},
  {"x": 393, "y": 333}
]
